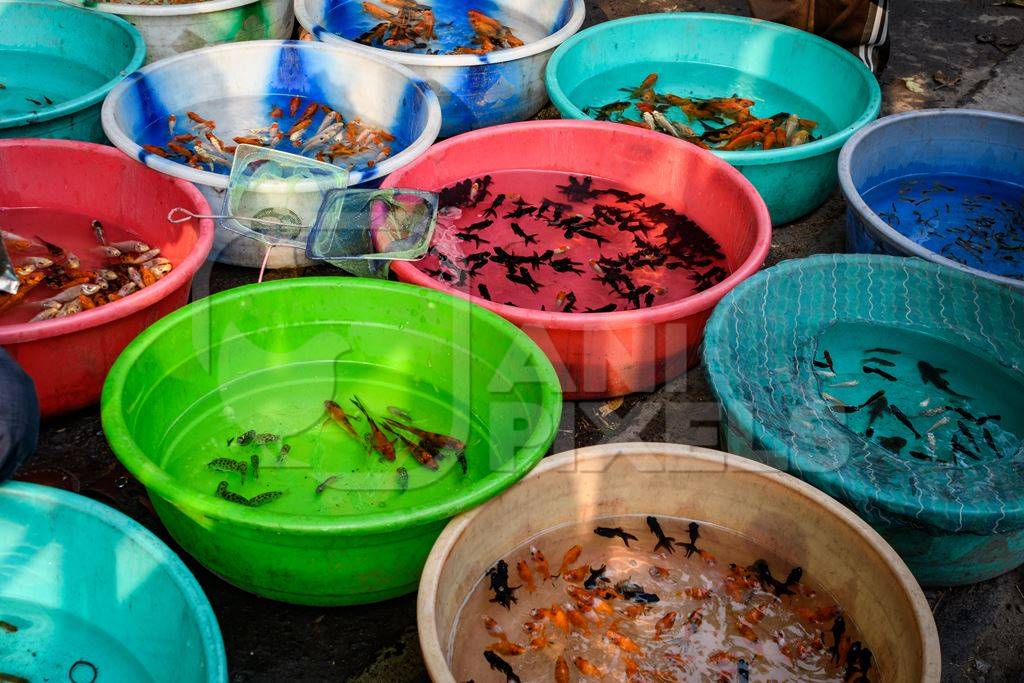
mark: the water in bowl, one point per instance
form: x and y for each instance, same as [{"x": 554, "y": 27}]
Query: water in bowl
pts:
[
  {"x": 920, "y": 397},
  {"x": 348, "y": 19},
  {"x": 20, "y": 92},
  {"x": 67, "y": 229},
  {"x": 696, "y": 80},
  {"x": 318, "y": 467},
  {"x": 50, "y": 644},
  {"x": 555, "y": 241},
  {"x": 708, "y": 604},
  {"x": 978, "y": 222}
]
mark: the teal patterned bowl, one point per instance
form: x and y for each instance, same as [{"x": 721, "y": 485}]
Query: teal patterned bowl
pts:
[{"x": 894, "y": 385}]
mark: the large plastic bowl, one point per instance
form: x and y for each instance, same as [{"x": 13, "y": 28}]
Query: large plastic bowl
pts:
[
  {"x": 88, "y": 587},
  {"x": 71, "y": 56},
  {"x": 715, "y": 55},
  {"x": 231, "y": 84},
  {"x": 475, "y": 90},
  {"x": 953, "y": 524},
  {"x": 796, "y": 522},
  {"x": 957, "y": 145},
  {"x": 609, "y": 354},
  {"x": 172, "y": 29},
  {"x": 68, "y": 358},
  {"x": 304, "y": 341}
]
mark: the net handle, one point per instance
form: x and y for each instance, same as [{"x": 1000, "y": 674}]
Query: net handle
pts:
[{"x": 180, "y": 215}]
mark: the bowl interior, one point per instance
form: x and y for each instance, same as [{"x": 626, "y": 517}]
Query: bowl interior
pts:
[
  {"x": 532, "y": 159},
  {"x": 82, "y": 582},
  {"x": 131, "y": 201},
  {"x": 238, "y": 86},
  {"x": 58, "y": 59},
  {"x": 950, "y": 182},
  {"x": 530, "y": 20},
  {"x": 941, "y": 443},
  {"x": 218, "y": 368},
  {"x": 801, "y": 525},
  {"x": 705, "y": 56}
]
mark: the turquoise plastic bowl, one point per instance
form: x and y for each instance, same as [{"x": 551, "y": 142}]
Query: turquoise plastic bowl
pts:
[
  {"x": 69, "y": 55},
  {"x": 716, "y": 55},
  {"x": 91, "y": 591},
  {"x": 953, "y": 520}
]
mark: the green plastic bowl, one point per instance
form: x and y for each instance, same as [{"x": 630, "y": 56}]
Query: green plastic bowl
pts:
[
  {"x": 266, "y": 357},
  {"x": 87, "y": 587},
  {"x": 716, "y": 55},
  {"x": 70, "y": 56}
]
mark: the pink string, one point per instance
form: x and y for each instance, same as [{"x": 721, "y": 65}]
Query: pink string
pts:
[{"x": 266, "y": 257}]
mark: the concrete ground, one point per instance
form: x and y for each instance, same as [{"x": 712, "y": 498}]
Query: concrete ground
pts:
[{"x": 980, "y": 626}]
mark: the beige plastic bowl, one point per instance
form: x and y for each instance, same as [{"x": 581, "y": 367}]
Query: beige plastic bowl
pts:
[{"x": 796, "y": 521}]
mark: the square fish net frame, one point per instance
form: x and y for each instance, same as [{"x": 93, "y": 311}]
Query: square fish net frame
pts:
[{"x": 282, "y": 199}]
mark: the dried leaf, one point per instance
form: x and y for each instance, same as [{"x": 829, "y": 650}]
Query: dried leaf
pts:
[
  {"x": 913, "y": 85},
  {"x": 610, "y": 407}
]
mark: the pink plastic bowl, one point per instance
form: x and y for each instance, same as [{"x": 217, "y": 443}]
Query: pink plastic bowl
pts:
[
  {"x": 69, "y": 358},
  {"x": 610, "y": 354}
]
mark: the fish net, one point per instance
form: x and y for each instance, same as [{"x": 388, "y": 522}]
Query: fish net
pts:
[{"x": 286, "y": 200}]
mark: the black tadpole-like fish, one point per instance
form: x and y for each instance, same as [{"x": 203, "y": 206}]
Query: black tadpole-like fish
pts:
[
  {"x": 902, "y": 417},
  {"x": 893, "y": 444},
  {"x": 504, "y": 594},
  {"x": 663, "y": 540},
  {"x": 492, "y": 210},
  {"x": 933, "y": 375},
  {"x": 691, "y": 547},
  {"x": 881, "y": 373},
  {"x": 527, "y": 238},
  {"x": 484, "y": 292},
  {"x": 838, "y": 628},
  {"x": 595, "y": 576},
  {"x": 617, "y": 532},
  {"x": 501, "y": 666}
]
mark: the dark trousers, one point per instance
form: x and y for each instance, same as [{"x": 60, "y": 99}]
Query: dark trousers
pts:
[
  {"x": 19, "y": 416},
  {"x": 861, "y": 26}
]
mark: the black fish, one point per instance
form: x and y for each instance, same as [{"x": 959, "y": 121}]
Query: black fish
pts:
[
  {"x": 524, "y": 210},
  {"x": 569, "y": 303},
  {"x": 617, "y": 532},
  {"x": 742, "y": 671},
  {"x": 476, "y": 227},
  {"x": 933, "y": 375},
  {"x": 902, "y": 417},
  {"x": 501, "y": 666},
  {"x": 484, "y": 292},
  {"x": 492, "y": 210},
  {"x": 578, "y": 190},
  {"x": 764, "y": 575},
  {"x": 623, "y": 196},
  {"x": 590, "y": 235},
  {"x": 882, "y": 349},
  {"x": 874, "y": 397},
  {"x": 527, "y": 238},
  {"x": 663, "y": 540},
  {"x": 828, "y": 362},
  {"x": 991, "y": 442},
  {"x": 558, "y": 208},
  {"x": 523, "y": 277},
  {"x": 595, "y": 576},
  {"x": 838, "y": 628},
  {"x": 893, "y": 444},
  {"x": 966, "y": 432},
  {"x": 880, "y": 361},
  {"x": 607, "y": 308},
  {"x": 691, "y": 547},
  {"x": 881, "y": 373},
  {"x": 921, "y": 456},
  {"x": 479, "y": 189},
  {"x": 986, "y": 418},
  {"x": 504, "y": 594},
  {"x": 645, "y": 598},
  {"x": 471, "y": 237},
  {"x": 962, "y": 449},
  {"x": 566, "y": 265}
]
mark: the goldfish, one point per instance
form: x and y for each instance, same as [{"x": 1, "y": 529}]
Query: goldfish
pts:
[
  {"x": 570, "y": 558},
  {"x": 339, "y": 416},
  {"x": 525, "y": 575}
]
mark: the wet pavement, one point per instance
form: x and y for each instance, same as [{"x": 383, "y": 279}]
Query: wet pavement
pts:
[{"x": 975, "y": 44}]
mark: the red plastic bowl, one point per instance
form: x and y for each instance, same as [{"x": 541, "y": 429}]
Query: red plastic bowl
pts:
[
  {"x": 69, "y": 358},
  {"x": 610, "y": 354}
]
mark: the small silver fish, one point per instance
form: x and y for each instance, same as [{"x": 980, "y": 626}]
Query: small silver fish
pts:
[
  {"x": 130, "y": 246},
  {"x": 127, "y": 289},
  {"x": 143, "y": 257},
  {"x": 108, "y": 251},
  {"x": 97, "y": 229},
  {"x": 71, "y": 261},
  {"x": 72, "y": 293},
  {"x": 941, "y": 422},
  {"x": 839, "y": 385}
]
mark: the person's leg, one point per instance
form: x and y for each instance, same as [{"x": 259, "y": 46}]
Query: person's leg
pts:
[
  {"x": 860, "y": 26},
  {"x": 19, "y": 416}
]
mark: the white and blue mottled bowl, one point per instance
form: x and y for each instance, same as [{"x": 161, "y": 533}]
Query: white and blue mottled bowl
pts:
[
  {"x": 475, "y": 90},
  {"x": 231, "y": 84}
]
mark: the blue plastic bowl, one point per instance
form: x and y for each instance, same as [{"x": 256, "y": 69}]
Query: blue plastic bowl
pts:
[
  {"x": 91, "y": 591},
  {"x": 476, "y": 91},
  {"x": 59, "y": 63},
  {"x": 946, "y": 185},
  {"x": 716, "y": 55},
  {"x": 954, "y": 519}
]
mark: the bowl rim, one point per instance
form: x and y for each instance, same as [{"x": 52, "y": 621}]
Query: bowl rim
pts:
[
  {"x": 675, "y": 310},
  {"x": 873, "y": 223},
  {"x": 90, "y": 97},
  {"x": 196, "y": 7},
  {"x": 433, "y": 651},
  {"x": 549, "y": 42},
  {"x": 978, "y": 516},
  {"x": 192, "y": 502},
  {"x": 179, "y": 276},
  {"x": 740, "y": 158},
  {"x": 212, "y": 645},
  {"x": 127, "y": 144}
]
